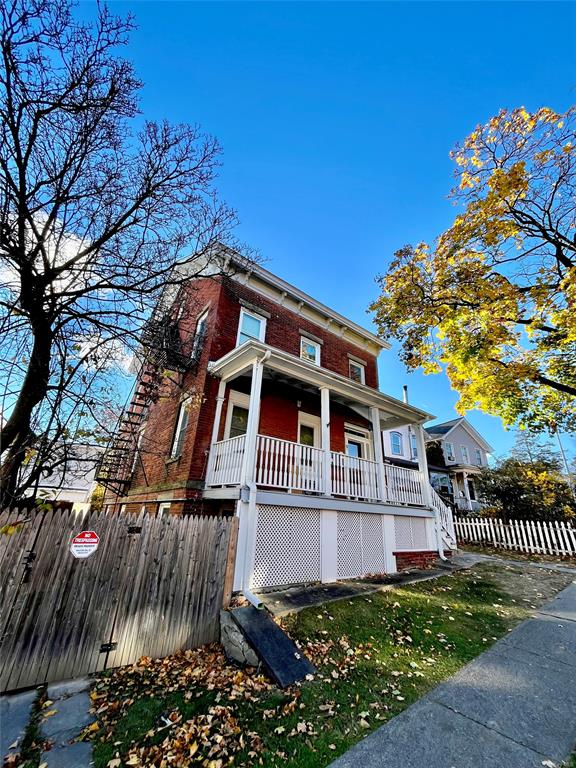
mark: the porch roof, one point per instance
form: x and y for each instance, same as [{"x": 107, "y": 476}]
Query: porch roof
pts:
[{"x": 238, "y": 361}]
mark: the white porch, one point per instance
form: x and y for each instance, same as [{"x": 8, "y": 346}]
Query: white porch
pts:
[{"x": 314, "y": 482}]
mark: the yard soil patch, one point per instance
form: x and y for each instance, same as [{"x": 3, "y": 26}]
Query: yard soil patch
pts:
[{"x": 375, "y": 655}]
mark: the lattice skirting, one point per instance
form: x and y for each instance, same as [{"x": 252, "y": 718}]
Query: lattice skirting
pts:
[
  {"x": 287, "y": 546},
  {"x": 360, "y": 544},
  {"x": 296, "y": 545},
  {"x": 410, "y": 533}
]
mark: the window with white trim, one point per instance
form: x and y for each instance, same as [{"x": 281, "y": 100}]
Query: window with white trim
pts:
[
  {"x": 449, "y": 451},
  {"x": 414, "y": 446},
  {"x": 180, "y": 430},
  {"x": 397, "y": 443},
  {"x": 237, "y": 414},
  {"x": 252, "y": 327},
  {"x": 358, "y": 442},
  {"x": 163, "y": 508},
  {"x": 199, "y": 335},
  {"x": 309, "y": 350},
  {"x": 479, "y": 460},
  {"x": 465, "y": 456},
  {"x": 357, "y": 371}
]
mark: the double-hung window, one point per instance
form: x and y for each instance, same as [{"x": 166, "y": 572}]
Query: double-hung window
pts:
[
  {"x": 252, "y": 327},
  {"x": 414, "y": 446},
  {"x": 309, "y": 350},
  {"x": 479, "y": 457},
  {"x": 356, "y": 371},
  {"x": 465, "y": 456},
  {"x": 449, "y": 451},
  {"x": 199, "y": 335},
  {"x": 397, "y": 443},
  {"x": 180, "y": 431}
]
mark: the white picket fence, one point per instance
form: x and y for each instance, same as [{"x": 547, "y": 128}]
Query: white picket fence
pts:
[{"x": 545, "y": 538}]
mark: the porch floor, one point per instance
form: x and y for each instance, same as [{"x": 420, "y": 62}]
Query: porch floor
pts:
[{"x": 285, "y": 600}]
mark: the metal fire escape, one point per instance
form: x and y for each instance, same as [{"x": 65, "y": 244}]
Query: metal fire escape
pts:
[{"x": 162, "y": 351}]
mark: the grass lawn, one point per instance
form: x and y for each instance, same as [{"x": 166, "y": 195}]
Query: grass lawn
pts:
[{"x": 375, "y": 655}]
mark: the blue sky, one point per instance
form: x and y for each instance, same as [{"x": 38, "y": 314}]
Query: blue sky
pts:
[{"x": 336, "y": 121}]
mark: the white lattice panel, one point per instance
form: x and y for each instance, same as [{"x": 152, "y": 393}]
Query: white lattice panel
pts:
[
  {"x": 372, "y": 544},
  {"x": 410, "y": 533},
  {"x": 287, "y": 546},
  {"x": 349, "y": 545}
]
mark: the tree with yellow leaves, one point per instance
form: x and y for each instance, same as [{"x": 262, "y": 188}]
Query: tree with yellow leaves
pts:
[{"x": 493, "y": 300}]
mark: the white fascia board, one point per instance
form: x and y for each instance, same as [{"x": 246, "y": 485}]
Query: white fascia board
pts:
[
  {"x": 283, "y": 499},
  {"x": 241, "y": 357},
  {"x": 476, "y": 436}
]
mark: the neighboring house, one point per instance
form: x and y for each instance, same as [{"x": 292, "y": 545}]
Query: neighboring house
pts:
[
  {"x": 456, "y": 454},
  {"x": 261, "y": 402},
  {"x": 73, "y": 487},
  {"x": 461, "y": 452}
]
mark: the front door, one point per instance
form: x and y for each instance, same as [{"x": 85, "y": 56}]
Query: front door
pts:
[{"x": 308, "y": 462}]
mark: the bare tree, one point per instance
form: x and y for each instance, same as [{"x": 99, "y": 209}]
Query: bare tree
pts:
[{"x": 97, "y": 206}]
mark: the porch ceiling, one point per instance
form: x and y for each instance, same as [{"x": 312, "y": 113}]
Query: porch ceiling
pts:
[{"x": 393, "y": 413}]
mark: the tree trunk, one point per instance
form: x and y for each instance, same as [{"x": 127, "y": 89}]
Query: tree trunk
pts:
[{"x": 16, "y": 433}]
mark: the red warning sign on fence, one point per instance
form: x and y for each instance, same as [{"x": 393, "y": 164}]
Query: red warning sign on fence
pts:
[{"x": 85, "y": 544}]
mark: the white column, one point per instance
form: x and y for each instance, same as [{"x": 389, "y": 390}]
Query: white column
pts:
[
  {"x": 466, "y": 490},
  {"x": 378, "y": 452},
  {"x": 325, "y": 439},
  {"x": 423, "y": 464},
  {"x": 329, "y": 546},
  {"x": 218, "y": 414},
  {"x": 249, "y": 460}
]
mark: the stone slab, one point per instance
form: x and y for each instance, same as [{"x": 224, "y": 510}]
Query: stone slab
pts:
[
  {"x": 427, "y": 735},
  {"x": 277, "y": 651},
  {"x": 72, "y": 716},
  {"x": 235, "y": 645},
  {"x": 78, "y": 755},
  {"x": 67, "y": 688},
  {"x": 547, "y": 637},
  {"x": 15, "y": 712},
  {"x": 529, "y": 699}
]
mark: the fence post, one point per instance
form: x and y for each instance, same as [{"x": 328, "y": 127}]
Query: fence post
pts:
[{"x": 230, "y": 563}]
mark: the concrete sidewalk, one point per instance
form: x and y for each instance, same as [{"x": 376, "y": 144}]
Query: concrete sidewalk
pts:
[{"x": 513, "y": 706}]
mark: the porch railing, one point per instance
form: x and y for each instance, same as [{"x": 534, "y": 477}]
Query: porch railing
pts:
[
  {"x": 444, "y": 512},
  {"x": 225, "y": 461},
  {"x": 403, "y": 485},
  {"x": 283, "y": 464},
  {"x": 298, "y": 467},
  {"x": 357, "y": 478}
]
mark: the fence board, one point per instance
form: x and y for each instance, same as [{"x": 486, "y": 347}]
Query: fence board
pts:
[
  {"x": 154, "y": 586},
  {"x": 551, "y": 538}
]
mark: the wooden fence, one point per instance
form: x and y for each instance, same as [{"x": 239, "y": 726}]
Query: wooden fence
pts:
[
  {"x": 153, "y": 586},
  {"x": 545, "y": 538}
]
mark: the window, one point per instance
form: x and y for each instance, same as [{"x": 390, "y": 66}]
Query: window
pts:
[
  {"x": 199, "y": 336},
  {"x": 309, "y": 350},
  {"x": 251, "y": 327},
  {"x": 163, "y": 508},
  {"x": 414, "y": 446},
  {"x": 237, "y": 414},
  {"x": 465, "y": 457},
  {"x": 397, "y": 443},
  {"x": 449, "y": 451},
  {"x": 357, "y": 372},
  {"x": 479, "y": 457},
  {"x": 180, "y": 431},
  {"x": 358, "y": 442}
]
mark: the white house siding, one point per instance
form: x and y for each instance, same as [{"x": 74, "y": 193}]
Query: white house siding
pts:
[
  {"x": 459, "y": 437},
  {"x": 406, "y": 444}
]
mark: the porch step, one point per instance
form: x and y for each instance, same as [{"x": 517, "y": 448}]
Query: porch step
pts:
[{"x": 278, "y": 653}]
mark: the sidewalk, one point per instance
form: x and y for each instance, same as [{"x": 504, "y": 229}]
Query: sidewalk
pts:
[{"x": 513, "y": 706}]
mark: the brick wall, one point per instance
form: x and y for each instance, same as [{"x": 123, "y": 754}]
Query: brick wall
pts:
[
  {"x": 157, "y": 472},
  {"x": 417, "y": 559}
]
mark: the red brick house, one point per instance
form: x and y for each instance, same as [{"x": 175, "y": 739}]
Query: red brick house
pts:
[{"x": 269, "y": 409}]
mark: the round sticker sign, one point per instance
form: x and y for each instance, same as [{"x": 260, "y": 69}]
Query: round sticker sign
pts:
[{"x": 85, "y": 544}]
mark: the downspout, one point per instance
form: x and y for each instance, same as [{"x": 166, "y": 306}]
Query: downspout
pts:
[{"x": 439, "y": 542}]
